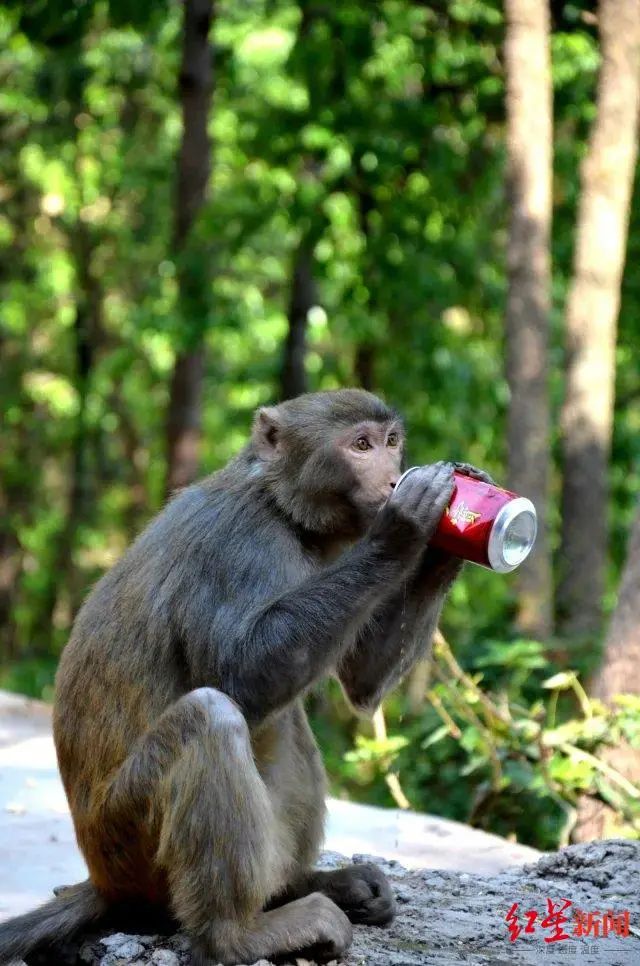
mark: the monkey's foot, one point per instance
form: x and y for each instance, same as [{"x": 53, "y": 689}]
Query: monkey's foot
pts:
[{"x": 362, "y": 892}]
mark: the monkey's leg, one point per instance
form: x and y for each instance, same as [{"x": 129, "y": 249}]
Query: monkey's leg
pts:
[
  {"x": 218, "y": 837},
  {"x": 362, "y": 891}
]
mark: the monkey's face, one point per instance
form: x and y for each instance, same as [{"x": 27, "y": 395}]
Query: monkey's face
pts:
[
  {"x": 330, "y": 459},
  {"x": 372, "y": 451}
]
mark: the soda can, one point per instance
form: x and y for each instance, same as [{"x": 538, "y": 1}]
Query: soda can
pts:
[{"x": 485, "y": 524}]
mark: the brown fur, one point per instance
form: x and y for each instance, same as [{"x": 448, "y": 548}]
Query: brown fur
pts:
[{"x": 193, "y": 778}]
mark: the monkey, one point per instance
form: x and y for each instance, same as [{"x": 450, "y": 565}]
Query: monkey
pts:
[{"x": 194, "y": 781}]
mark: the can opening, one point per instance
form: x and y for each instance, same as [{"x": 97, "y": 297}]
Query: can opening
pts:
[
  {"x": 513, "y": 535},
  {"x": 519, "y": 538}
]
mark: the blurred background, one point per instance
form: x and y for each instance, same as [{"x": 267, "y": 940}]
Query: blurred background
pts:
[{"x": 204, "y": 209}]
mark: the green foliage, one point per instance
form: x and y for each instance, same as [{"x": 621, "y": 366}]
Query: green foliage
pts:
[{"x": 503, "y": 746}]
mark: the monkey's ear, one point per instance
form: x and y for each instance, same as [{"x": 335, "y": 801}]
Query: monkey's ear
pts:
[{"x": 266, "y": 433}]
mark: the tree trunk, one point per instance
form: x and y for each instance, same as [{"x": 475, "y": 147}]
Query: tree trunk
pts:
[
  {"x": 303, "y": 298},
  {"x": 184, "y": 421},
  {"x": 529, "y": 143},
  {"x": 364, "y": 366},
  {"x": 592, "y": 310},
  {"x": 193, "y": 171},
  {"x": 619, "y": 674},
  {"x": 364, "y": 362}
]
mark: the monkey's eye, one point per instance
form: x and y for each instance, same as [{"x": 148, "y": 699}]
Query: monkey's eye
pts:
[
  {"x": 392, "y": 439},
  {"x": 362, "y": 443}
]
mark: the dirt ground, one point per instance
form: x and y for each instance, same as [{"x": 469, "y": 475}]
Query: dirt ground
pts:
[{"x": 448, "y": 918}]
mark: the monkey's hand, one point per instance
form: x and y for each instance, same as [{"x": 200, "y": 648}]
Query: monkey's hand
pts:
[
  {"x": 409, "y": 518},
  {"x": 468, "y": 470},
  {"x": 437, "y": 567},
  {"x": 362, "y": 892}
]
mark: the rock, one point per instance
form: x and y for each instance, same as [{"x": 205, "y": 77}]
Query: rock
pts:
[
  {"x": 112, "y": 942},
  {"x": 164, "y": 957},
  {"x": 123, "y": 952},
  {"x": 449, "y": 919}
]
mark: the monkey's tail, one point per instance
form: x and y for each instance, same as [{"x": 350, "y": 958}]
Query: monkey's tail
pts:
[{"x": 56, "y": 921}]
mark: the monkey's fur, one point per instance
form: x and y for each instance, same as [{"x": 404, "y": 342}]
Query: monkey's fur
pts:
[{"x": 193, "y": 778}]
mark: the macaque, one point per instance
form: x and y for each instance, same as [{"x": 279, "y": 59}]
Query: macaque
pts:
[{"x": 194, "y": 781}]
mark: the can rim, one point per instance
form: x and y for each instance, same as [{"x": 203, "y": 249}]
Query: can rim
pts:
[
  {"x": 504, "y": 518},
  {"x": 405, "y": 474}
]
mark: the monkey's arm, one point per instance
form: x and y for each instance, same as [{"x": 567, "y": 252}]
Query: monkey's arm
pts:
[
  {"x": 266, "y": 658},
  {"x": 401, "y": 629},
  {"x": 398, "y": 633},
  {"x": 253, "y": 630}
]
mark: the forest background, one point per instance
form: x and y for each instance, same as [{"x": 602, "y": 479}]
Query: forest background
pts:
[{"x": 207, "y": 209}]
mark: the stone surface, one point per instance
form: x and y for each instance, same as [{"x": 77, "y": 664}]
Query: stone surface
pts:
[
  {"x": 164, "y": 957},
  {"x": 447, "y": 918}
]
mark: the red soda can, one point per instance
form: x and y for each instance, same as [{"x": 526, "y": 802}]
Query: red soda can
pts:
[{"x": 485, "y": 524}]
